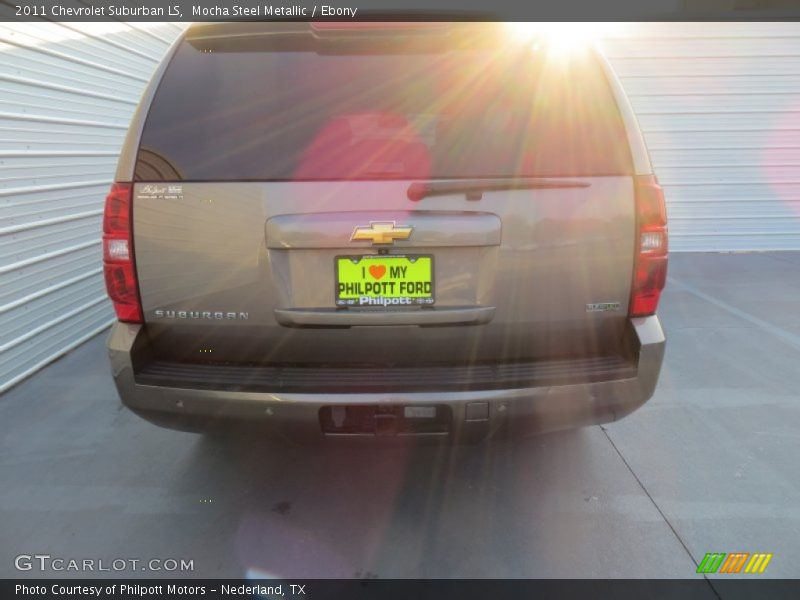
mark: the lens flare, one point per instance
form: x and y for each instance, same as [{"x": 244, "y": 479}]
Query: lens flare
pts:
[{"x": 561, "y": 39}]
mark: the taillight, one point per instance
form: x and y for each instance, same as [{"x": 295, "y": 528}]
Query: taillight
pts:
[
  {"x": 650, "y": 265},
  {"x": 118, "y": 263}
]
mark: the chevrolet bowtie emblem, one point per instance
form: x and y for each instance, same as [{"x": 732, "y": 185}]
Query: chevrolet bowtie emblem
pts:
[{"x": 381, "y": 233}]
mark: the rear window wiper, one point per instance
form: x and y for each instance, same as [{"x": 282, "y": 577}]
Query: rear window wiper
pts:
[{"x": 474, "y": 188}]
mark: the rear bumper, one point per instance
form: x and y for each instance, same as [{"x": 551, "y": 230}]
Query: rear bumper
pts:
[{"x": 556, "y": 404}]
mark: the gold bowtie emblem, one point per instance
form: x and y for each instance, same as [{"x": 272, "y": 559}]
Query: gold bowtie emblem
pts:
[{"x": 381, "y": 233}]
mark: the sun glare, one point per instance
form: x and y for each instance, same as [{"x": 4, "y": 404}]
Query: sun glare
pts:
[{"x": 561, "y": 38}]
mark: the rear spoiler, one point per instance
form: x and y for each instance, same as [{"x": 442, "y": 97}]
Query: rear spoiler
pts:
[{"x": 372, "y": 22}]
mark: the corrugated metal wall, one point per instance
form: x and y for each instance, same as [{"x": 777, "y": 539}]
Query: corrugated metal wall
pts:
[
  {"x": 720, "y": 107},
  {"x": 719, "y": 104},
  {"x": 67, "y": 93}
]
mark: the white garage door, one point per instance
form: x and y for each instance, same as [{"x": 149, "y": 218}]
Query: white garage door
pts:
[
  {"x": 719, "y": 103},
  {"x": 720, "y": 107},
  {"x": 67, "y": 93}
]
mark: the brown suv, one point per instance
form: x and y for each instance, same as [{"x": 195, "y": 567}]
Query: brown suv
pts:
[{"x": 384, "y": 229}]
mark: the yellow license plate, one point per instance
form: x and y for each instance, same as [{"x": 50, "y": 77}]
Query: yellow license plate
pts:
[{"x": 382, "y": 280}]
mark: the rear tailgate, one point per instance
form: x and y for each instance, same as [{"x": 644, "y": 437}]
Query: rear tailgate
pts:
[
  {"x": 247, "y": 197},
  {"x": 217, "y": 263}
]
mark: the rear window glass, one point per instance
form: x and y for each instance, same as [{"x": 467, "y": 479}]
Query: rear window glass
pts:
[{"x": 296, "y": 113}]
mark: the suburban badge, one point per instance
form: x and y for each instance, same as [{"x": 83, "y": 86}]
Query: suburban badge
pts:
[{"x": 216, "y": 315}]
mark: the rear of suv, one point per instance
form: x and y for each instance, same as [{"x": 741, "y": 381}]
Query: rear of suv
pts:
[{"x": 384, "y": 229}]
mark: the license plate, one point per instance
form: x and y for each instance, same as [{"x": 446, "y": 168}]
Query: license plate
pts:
[
  {"x": 384, "y": 280},
  {"x": 419, "y": 412}
]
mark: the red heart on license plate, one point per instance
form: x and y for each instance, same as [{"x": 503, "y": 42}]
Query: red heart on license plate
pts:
[{"x": 377, "y": 271}]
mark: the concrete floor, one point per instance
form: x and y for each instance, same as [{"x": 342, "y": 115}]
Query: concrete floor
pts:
[{"x": 710, "y": 464}]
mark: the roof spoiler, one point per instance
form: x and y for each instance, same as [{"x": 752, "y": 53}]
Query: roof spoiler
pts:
[{"x": 372, "y": 22}]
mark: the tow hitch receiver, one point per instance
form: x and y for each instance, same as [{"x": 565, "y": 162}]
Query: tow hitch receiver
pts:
[{"x": 390, "y": 420}]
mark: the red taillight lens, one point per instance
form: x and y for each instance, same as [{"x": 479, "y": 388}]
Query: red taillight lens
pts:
[
  {"x": 650, "y": 266},
  {"x": 118, "y": 261},
  {"x": 122, "y": 289},
  {"x": 116, "y": 218}
]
